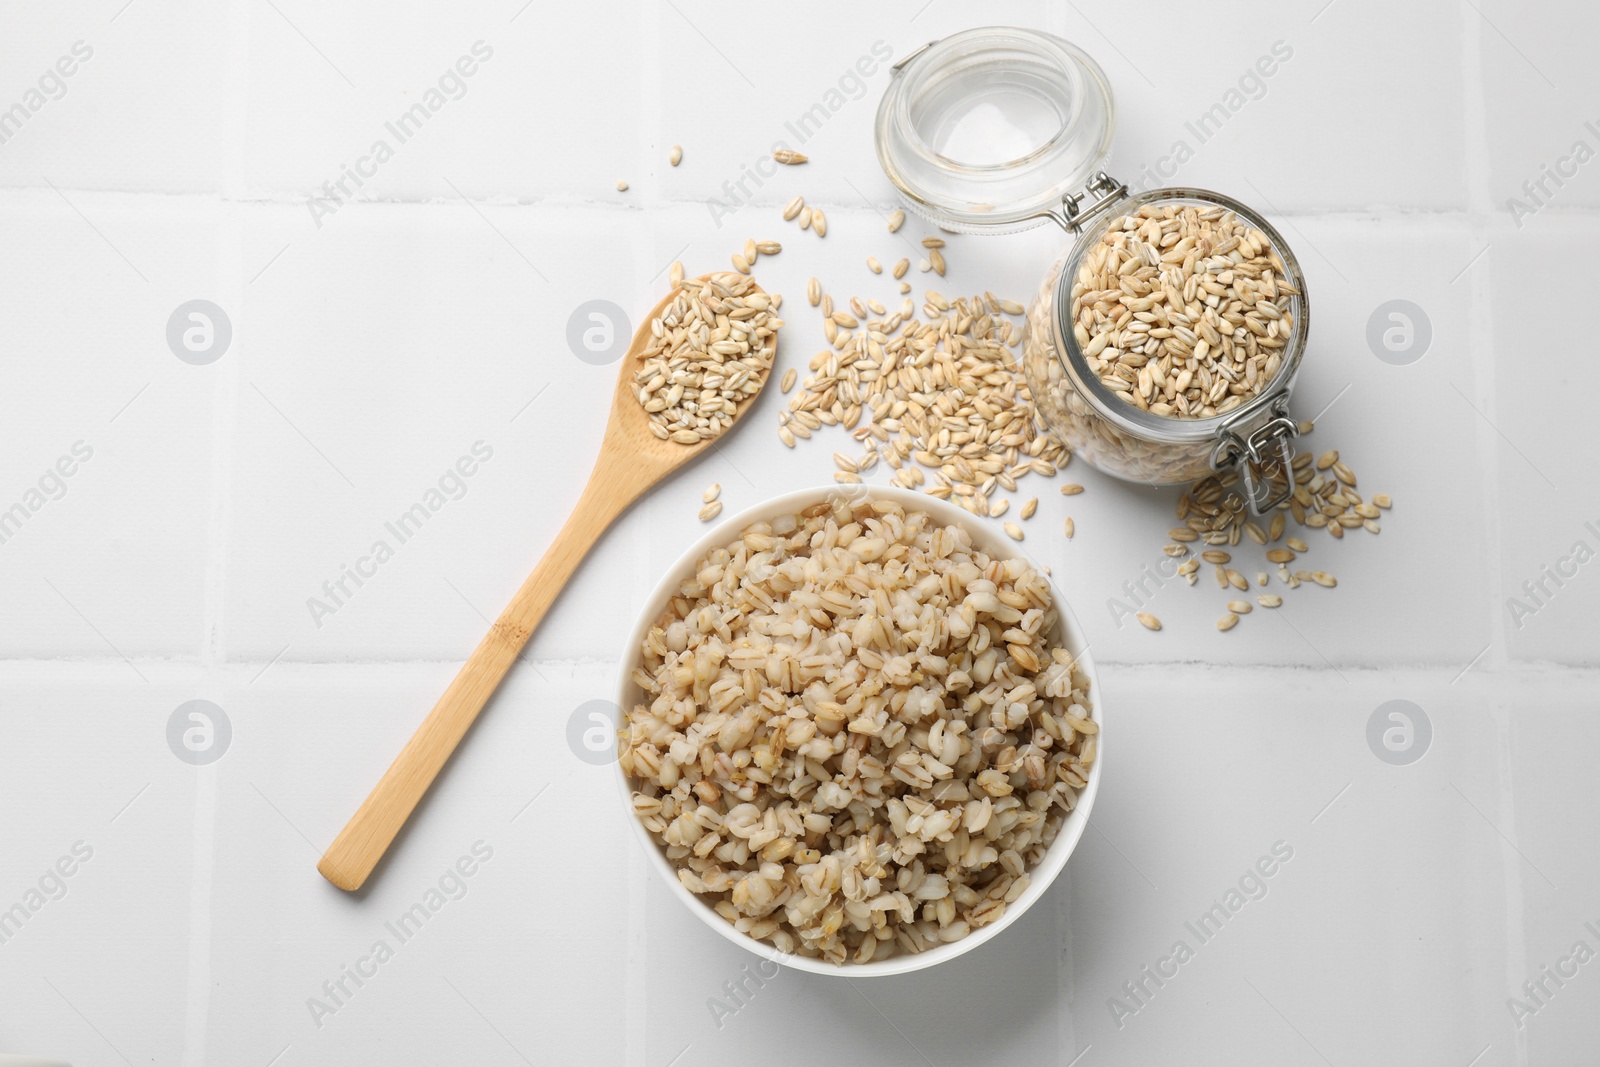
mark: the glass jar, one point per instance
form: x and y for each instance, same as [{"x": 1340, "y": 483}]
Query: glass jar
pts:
[{"x": 997, "y": 129}]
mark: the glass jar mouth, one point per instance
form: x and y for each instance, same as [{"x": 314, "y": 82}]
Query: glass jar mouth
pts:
[
  {"x": 989, "y": 129},
  {"x": 930, "y": 103},
  {"x": 1145, "y": 424}
]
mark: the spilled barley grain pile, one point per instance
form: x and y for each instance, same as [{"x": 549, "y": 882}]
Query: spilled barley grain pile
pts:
[
  {"x": 943, "y": 397},
  {"x": 1213, "y": 512}
]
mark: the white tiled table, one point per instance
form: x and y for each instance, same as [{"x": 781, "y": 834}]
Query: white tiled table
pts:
[{"x": 428, "y": 313}]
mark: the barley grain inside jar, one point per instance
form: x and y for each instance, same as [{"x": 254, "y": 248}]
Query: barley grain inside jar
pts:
[{"x": 1164, "y": 341}]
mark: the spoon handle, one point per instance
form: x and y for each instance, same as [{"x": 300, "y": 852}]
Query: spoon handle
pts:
[{"x": 369, "y": 833}]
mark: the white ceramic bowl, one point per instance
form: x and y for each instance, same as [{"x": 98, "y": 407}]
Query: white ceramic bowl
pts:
[{"x": 985, "y": 536}]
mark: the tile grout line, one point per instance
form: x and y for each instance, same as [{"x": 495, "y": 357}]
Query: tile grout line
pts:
[
  {"x": 202, "y": 878},
  {"x": 646, "y": 249},
  {"x": 636, "y": 989},
  {"x": 73, "y": 665},
  {"x": 566, "y": 202},
  {"x": 229, "y": 292},
  {"x": 1066, "y": 1001},
  {"x": 1513, "y": 876},
  {"x": 1480, "y": 316},
  {"x": 213, "y": 650},
  {"x": 1480, "y": 349},
  {"x": 1066, "y": 1019}
]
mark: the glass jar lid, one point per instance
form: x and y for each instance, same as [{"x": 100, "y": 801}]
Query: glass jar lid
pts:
[{"x": 991, "y": 129}]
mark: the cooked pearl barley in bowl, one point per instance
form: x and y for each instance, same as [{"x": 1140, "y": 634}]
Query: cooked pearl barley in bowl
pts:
[{"x": 942, "y": 856}]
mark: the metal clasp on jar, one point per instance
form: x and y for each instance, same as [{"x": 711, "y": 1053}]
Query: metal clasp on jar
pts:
[
  {"x": 1262, "y": 456},
  {"x": 1072, "y": 215}
]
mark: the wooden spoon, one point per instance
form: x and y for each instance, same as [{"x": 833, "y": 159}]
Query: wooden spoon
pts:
[{"x": 632, "y": 460}]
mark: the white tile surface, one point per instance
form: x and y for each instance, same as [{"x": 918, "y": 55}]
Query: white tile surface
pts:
[
  {"x": 378, "y": 338},
  {"x": 122, "y": 112},
  {"x": 1551, "y": 605},
  {"x": 1317, "y": 128}
]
